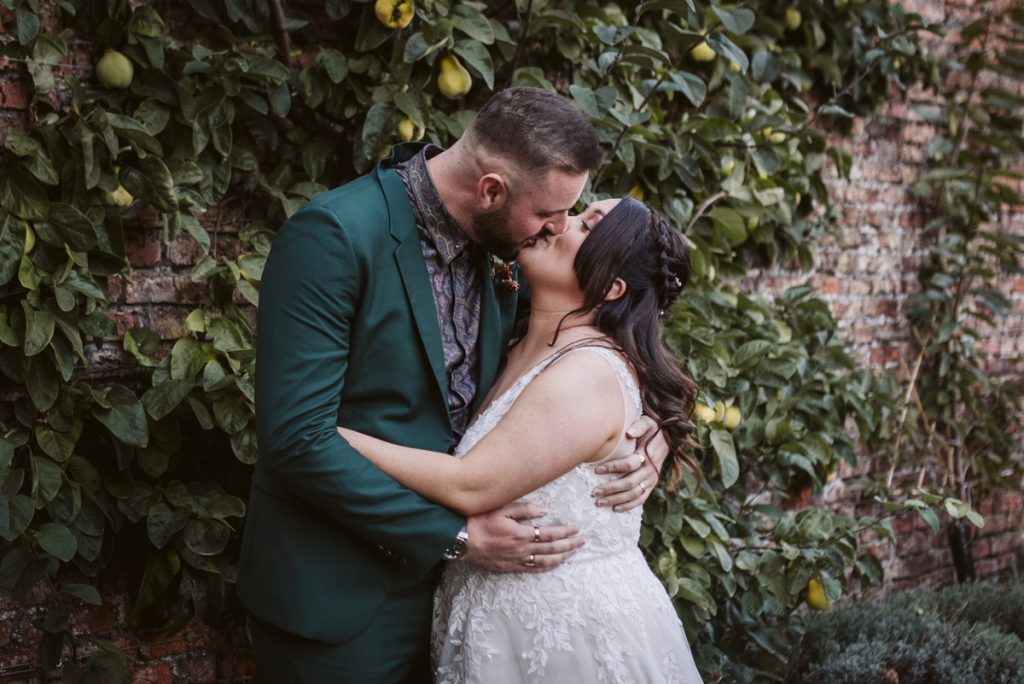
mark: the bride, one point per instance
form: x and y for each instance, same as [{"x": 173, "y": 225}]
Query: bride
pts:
[{"x": 589, "y": 363}]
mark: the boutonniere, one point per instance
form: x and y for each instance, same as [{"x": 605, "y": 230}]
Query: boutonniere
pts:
[{"x": 503, "y": 274}]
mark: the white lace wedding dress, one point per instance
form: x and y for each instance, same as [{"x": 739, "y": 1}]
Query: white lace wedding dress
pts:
[{"x": 600, "y": 617}]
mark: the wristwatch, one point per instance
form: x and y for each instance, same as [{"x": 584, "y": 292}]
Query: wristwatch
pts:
[{"x": 459, "y": 546}]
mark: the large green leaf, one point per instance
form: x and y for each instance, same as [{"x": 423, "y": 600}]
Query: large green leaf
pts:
[
  {"x": 15, "y": 515},
  {"x": 725, "y": 456},
  {"x": 126, "y": 417},
  {"x": 74, "y": 226},
  {"x": 164, "y": 397},
  {"x": 12, "y": 243},
  {"x": 21, "y": 195},
  {"x": 207, "y": 537},
  {"x": 47, "y": 478},
  {"x": 57, "y": 540},
  {"x": 42, "y": 382},
  {"x": 163, "y": 522},
  {"x": 39, "y": 327},
  {"x": 83, "y": 592},
  {"x": 20, "y": 570}
]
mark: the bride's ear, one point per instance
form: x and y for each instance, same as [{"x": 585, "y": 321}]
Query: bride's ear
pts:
[{"x": 617, "y": 289}]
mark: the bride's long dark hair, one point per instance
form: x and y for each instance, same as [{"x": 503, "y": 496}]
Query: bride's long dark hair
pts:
[{"x": 635, "y": 243}]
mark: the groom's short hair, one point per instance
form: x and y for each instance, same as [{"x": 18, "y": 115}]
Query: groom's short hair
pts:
[{"x": 537, "y": 129}]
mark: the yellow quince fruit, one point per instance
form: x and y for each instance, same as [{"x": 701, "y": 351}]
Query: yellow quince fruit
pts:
[
  {"x": 30, "y": 239},
  {"x": 395, "y": 14},
  {"x": 637, "y": 192},
  {"x": 407, "y": 130},
  {"x": 174, "y": 560},
  {"x": 115, "y": 70},
  {"x": 816, "y": 598},
  {"x": 732, "y": 418},
  {"x": 702, "y": 52},
  {"x": 793, "y": 18},
  {"x": 719, "y": 411},
  {"x": 704, "y": 413},
  {"x": 773, "y": 136},
  {"x": 728, "y": 164},
  {"x": 453, "y": 81},
  {"x": 734, "y": 66},
  {"x": 118, "y": 198}
]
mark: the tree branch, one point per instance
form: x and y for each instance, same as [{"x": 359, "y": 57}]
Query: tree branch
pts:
[{"x": 284, "y": 43}]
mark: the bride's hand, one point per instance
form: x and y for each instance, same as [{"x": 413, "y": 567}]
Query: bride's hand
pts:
[
  {"x": 639, "y": 471},
  {"x": 503, "y": 540}
]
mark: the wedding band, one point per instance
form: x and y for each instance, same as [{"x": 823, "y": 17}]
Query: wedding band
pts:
[
  {"x": 643, "y": 488},
  {"x": 536, "y": 534},
  {"x": 643, "y": 460},
  {"x": 529, "y": 562}
]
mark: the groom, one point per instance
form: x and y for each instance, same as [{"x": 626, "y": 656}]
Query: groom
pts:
[{"x": 378, "y": 311}]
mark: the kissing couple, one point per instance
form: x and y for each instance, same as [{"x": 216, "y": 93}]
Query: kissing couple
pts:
[{"x": 452, "y": 467}]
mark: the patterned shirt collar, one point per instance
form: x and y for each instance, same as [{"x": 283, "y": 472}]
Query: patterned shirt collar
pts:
[{"x": 440, "y": 227}]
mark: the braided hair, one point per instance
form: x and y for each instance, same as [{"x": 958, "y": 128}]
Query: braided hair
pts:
[{"x": 635, "y": 243}]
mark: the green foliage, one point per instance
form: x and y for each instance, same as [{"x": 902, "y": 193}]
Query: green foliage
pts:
[
  {"x": 917, "y": 637},
  {"x": 968, "y": 421},
  {"x": 1000, "y": 606},
  {"x": 221, "y": 121}
]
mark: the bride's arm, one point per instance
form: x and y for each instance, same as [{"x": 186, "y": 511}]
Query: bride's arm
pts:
[{"x": 572, "y": 412}]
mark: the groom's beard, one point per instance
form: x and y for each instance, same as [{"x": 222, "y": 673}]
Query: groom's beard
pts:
[{"x": 493, "y": 234}]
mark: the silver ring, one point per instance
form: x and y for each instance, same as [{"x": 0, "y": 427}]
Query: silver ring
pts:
[
  {"x": 536, "y": 534},
  {"x": 529, "y": 562},
  {"x": 643, "y": 488},
  {"x": 643, "y": 460}
]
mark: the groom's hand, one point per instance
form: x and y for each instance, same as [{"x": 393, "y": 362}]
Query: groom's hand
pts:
[
  {"x": 500, "y": 542},
  {"x": 639, "y": 472}
]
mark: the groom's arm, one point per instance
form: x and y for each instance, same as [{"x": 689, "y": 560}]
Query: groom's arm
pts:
[{"x": 310, "y": 291}]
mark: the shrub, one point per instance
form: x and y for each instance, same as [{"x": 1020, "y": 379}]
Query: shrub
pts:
[
  {"x": 921, "y": 636},
  {"x": 984, "y": 603}
]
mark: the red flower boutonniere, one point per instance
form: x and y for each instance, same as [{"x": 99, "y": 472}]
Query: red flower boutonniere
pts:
[{"x": 503, "y": 274}]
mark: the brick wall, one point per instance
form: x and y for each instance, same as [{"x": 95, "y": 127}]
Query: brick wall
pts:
[{"x": 866, "y": 274}]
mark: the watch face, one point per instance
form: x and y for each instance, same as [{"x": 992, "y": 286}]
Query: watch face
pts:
[{"x": 459, "y": 548}]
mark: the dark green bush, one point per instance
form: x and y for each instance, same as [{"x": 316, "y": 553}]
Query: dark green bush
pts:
[
  {"x": 986, "y": 603},
  {"x": 920, "y": 637}
]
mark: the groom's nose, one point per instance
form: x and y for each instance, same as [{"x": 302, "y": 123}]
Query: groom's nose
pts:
[{"x": 557, "y": 228}]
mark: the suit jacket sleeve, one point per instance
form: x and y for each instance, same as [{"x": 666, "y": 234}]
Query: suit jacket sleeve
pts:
[{"x": 309, "y": 296}]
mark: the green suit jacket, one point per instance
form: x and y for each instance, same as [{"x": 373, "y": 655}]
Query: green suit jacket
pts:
[{"x": 348, "y": 335}]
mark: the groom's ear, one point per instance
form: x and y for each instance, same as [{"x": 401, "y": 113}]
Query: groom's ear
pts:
[{"x": 491, "y": 191}]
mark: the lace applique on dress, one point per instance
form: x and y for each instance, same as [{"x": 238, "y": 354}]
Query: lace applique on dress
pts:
[{"x": 601, "y": 617}]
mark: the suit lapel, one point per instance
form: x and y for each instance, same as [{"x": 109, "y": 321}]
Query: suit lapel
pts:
[
  {"x": 415, "y": 280},
  {"x": 497, "y": 308}
]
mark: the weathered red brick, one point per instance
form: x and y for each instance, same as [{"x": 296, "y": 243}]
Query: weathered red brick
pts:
[
  {"x": 184, "y": 251},
  {"x": 156, "y": 673},
  {"x": 146, "y": 287},
  {"x": 143, "y": 250},
  {"x": 168, "y": 323},
  {"x": 198, "y": 671}
]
